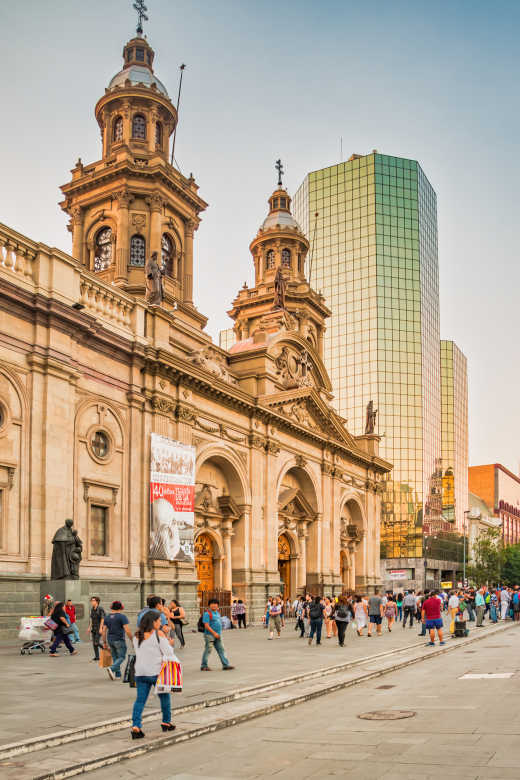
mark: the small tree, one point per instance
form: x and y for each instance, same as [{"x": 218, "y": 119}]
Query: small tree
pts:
[
  {"x": 488, "y": 557},
  {"x": 511, "y": 567}
]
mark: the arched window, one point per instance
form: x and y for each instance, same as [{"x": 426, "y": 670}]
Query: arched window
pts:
[
  {"x": 158, "y": 134},
  {"x": 117, "y": 134},
  {"x": 138, "y": 126},
  {"x": 269, "y": 259},
  {"x": 286, "y": 258},
  {"x": 168, "y": 255},
  {"x": 103, "y": 249},
  {"x": 137, "y": 250}
]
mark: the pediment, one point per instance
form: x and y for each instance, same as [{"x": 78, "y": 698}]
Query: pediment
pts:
[
  {"x": 293, "y": 502},
  {"x": 305, "y": 407}
]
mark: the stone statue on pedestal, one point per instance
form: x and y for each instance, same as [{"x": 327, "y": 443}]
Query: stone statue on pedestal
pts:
[
  {"x": 154, "y": 281},
  {"x": 279, "y": 290},
  {"x": 67, "y": 550},
  {"x": 370, "y": 425}
]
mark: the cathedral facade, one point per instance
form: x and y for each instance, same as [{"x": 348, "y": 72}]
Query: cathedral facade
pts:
[{"x": 98, "y": 351}]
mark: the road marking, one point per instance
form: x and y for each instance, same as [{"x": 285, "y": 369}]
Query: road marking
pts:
[{"x": 498, "y": 676}]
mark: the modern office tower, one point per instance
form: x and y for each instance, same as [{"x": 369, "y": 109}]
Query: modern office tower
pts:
[
  {"x": 372, "y": 227},
  {"x": 454, "y": 434},
  {"x": 226, "y": 338}
]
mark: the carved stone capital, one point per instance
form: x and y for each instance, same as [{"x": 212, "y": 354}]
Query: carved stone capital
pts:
[
  {"x": 185, "y": 414},
  {"x": 300, "y": 461},
  {"x": 163, "y": 405},
  {"x": 256, "y": 440},
  {"x": 272, "y": 447},
  {"x": 327, "y": 468},
  {"x": 156, "y": 203},
  {"x": 124, "y": 198},
  {"x": 190, "y": 227}
]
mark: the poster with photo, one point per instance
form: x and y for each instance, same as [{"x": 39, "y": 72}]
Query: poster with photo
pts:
[{"x": 172, "y": 499}]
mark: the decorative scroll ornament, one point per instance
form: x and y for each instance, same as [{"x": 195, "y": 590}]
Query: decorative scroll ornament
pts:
[
  {"x": 293, "y": 369},
  {"x": 212, "y": 361}
]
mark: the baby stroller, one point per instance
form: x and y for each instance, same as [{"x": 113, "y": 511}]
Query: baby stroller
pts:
[
  {"x": 33, "y": 631},
  {"x": 460, "y": 625}
]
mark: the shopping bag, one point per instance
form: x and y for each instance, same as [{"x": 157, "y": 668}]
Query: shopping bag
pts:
[
  {"x": 105, "y": 658},
  {"x": 169, "y": 679},
  {"x": 50, "y": 624},
  {"x": 129, "y": 673}
]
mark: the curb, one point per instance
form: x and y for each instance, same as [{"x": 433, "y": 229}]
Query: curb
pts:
[{"x": 218, "y": 725}]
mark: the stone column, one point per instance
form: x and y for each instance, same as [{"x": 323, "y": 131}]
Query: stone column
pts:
[
  {"x": 156, "y": 206},
  {"x": 77, "y": 233},
  {"x": 122, "y": 241},
  {"x": 302, "y": 563},
  {"x": 352, "y": 566},
  {"x": 227, "y": 581},
  {"x": 189, "y": 229}
]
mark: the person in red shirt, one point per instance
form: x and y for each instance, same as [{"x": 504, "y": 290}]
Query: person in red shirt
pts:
[
  {"x": 431, "y": 616},
  {"x": 70, "y": 611}
]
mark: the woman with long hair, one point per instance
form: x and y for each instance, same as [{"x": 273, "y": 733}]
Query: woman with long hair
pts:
[
  {"x": 390, "y": 612},
  {"x": 177, "y": 616},
  {"x": 60, "y": 618},
  {"x": 360, "y": 614},
  {"x": 151, "y": 649}
]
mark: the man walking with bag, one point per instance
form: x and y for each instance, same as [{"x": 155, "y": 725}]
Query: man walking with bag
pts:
[
  {"x": 114, "y": 629},
  {"x": 212, "y": 623},
  {"x": 95, "y": 626}
]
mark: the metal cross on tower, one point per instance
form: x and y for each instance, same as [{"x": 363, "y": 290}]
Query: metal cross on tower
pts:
[
  {"x": 279, "y": 168},
  {"x": 141, "y": 15}
]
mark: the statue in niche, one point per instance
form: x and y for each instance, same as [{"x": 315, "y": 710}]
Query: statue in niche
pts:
[
  {"x": 370, "y": 424},
  {"x": 154, "y": 281},
  {"x": 279, "y": 289},
  {"x": 67, "y": 550}
]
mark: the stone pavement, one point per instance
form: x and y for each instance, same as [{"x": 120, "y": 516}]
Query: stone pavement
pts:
[
  {"x": 81, "y": 692},
  {"x": 463, "y": 728}
]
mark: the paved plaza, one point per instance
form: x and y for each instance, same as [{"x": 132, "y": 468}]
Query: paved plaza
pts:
[
  {"x": 306, "y": 728},
  {"x": 463, "y": 728}
]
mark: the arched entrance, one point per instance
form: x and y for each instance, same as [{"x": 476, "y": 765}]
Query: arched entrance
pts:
[
  {"x": 204, "y": 562},
  {"x": 297, "y": 511},
  {"x": 284, "y": 565}
]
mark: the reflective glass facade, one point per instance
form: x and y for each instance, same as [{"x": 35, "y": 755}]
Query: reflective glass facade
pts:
[
  {"x": 226, "y": 338},
  {"x": 374, "y": 258},
  {"x": 454, "y": 433}
]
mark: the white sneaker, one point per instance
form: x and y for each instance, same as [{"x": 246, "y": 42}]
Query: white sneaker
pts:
[{"x": 111, "y": 673}]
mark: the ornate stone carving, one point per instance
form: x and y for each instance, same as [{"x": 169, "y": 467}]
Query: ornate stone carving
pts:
[
  {"x": 272, "y": 447},
  {"x": 294, "y": 369},
  {"x": 124, "y": 198},
  {"x": 207, "y": 425},
  {"x": 212, "y": 361},
  {"x": 300, "y": 461},
  {"x": 298, "y": 411},
  {"x": 185, "y": 413},
  {"x": 156, "y": 202},
  {"x": 139, "y": 221},
  {"x": 256, "y": 440},
  {"x": 164, "y": 405},
  {"x": 228, "y": 433},
  {"x": 327, "y": 468}
]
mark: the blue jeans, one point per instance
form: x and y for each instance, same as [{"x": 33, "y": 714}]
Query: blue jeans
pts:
[
  {"x": 118, "y": 650},
  {"x": 399, "y": 612},
  {"x": 75, "y": 628},
  {"x": 144, "y": 686},
  {"x": 60, "y": 637},
  {"x": 209, "y": 643},
  {"x": 471, "y": 613},
  {"x": 316, "y": 627}
]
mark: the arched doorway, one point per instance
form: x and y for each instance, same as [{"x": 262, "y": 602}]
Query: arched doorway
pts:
[
  {"x": 204, "y": 562},
  {"x": 284, "y": 565}
]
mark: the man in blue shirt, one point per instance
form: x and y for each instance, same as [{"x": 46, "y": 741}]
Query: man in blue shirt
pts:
[
  {"x": 212, "y": 637},
  {"x": 114, "y": 629},
  {"x": 154, "y": 603},
  {"x": 480, "y": 605}
]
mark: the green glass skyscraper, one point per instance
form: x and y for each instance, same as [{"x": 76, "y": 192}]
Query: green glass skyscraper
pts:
[{"x": 372, "y": 226}]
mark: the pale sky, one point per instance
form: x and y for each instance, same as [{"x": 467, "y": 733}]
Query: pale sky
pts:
[{"x": 436, "y": 82}]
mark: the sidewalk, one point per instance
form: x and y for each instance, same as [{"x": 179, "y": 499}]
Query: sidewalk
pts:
[{"x": 52, "y": 694}]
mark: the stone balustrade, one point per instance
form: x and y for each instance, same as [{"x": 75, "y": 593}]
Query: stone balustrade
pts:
[
  {"x": 17, "y": 254},
  {"x": 102, "y": 300}
]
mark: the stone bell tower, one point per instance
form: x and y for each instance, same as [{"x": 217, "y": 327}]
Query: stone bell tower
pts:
[
  {"x": 132, "y": 202},
  {"x": 281, "y": 297}
]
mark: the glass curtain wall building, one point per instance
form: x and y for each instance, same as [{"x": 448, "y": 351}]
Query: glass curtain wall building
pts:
[
  {"x": 454, "y": 434},
  {"x": 372, "y": 226}
]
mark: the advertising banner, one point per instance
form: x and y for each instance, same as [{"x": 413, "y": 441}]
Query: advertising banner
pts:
[
  {"x": 172, "y": 499},
  {"x": 398, "y": 574}
]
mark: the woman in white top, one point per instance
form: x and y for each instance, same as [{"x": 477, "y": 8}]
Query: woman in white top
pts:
[
  {"x": 360, "y": 614},
  {"x": 151, "y": 649}
]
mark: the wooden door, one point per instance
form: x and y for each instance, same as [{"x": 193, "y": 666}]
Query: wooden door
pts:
[
  {"x": 284, "y": 565},
  {"x": 204, "y": 563}
]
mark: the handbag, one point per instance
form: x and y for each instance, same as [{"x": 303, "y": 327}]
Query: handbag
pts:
[
  {"x": 50, "y": 624},
  {"x": 169, "y": 679},
  {"x": 129, "y": 673},
  {"x": 105, "y": 657},
  {"x": 67, "y": 630}
]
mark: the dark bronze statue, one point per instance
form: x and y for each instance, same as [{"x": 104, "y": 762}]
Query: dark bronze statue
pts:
[
  {"x": 370, "y": 425},
  {"x": 67, "y": 550}
]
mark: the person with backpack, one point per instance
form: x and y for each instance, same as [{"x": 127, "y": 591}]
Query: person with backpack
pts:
[
  {"x": 342, "y": 615},
  {"x": 300, "y": 613},
  {"x": 316, "y": 610},
  {"x": 212, "y": 628}
]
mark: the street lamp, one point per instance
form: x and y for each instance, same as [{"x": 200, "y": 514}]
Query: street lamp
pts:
[{"x": 464, "y": 549}]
